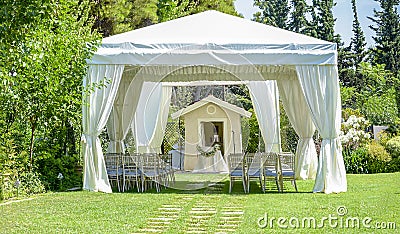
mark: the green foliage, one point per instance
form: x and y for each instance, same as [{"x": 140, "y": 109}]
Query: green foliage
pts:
[
  {"x": 325, "y": 22},
  {"x": 30, "y": 183},
  {"x": 289, "y": 137},
  {"x": 298, "y": 22},
  {"x": 46, "y": 44},
  {"x": 358, "y": 43},
  {"x": 347, "y": 95},
  {"x": 377, "y": 98},
  {"x": 381, "y": 110},
  {"x": 274, "y": 13},
  {"x": 393, "y": 147},
  {"x": 172, "y": 9},
  {"x": 255, "y": 142},
  {"x": 50, "y": 168},
  {"x": 374, "y": 158},
  {"x": 378, "y": 152},
  {"x": 387, "y": 39}
]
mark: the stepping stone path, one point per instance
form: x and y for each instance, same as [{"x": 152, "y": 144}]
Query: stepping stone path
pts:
[
  {"x": 203, "y": 217},
  {"x": 166, "y": 215}
]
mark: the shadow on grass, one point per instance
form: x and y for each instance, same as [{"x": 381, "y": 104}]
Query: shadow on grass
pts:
[{"x": 222, "y": 187}]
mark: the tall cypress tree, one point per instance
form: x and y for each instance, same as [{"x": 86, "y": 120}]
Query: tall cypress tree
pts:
[
  {"x": 351, "y": 56},
  {"x": 313, "y": 23},
  {"x": 298, "y": 21},
  {"x": 358, "y": 43},
  {"x": 273, "y": 12},
  {"x": 387, "y": 39},
  {"x": 326, "y": 21}
]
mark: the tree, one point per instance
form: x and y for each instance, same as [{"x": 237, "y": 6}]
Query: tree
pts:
[
  {"x": 46, "y": 44},
  {"x": 313, "y": 24},
  {"x": 352, "y": 56},
  {"x": 377, "y": 99},
  {"x": 111, "y": 17},
  {"x": 273, "y": 12},
  {"x": 358, "y": 43},
  {"x": 172, "y": 9},
  {"x": 387, "y": 39},
  {"x": 326, "y": 21},
  {"x": 298, "y": 22}
]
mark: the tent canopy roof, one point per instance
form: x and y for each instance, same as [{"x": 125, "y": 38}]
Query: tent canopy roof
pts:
[
  {"x": 212, "y": 27},
  {"x": 212, "y": 37},
  {"x": 214, "y": 100}
]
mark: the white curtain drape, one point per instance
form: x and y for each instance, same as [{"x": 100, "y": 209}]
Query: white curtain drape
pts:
[
  {"x": 162, "y": 119},
  {"x": 265, "y": 99},
  {"x": 298, "y": 112},
  {"x": 123, "y": 111},
  {"x": 320, "y": 85},
  {"x": 151, "y": 117},
  {"x": 96, "y": 109}
]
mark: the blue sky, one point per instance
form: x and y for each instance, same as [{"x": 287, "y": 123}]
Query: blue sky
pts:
[{"x": 342, "y": 12}]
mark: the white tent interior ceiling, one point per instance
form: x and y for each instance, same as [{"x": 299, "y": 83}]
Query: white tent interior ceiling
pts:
[{"x": 140, "y": 67}]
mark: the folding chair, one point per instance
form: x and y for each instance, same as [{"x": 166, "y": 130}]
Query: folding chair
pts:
[
  {"x": 254, "y": 169},
  {"x": 286, "y": 162},
  {"x": 271, "y": 169},
  {"x": 236, "y": 164},
  {"x": 150, "y": 167},
  {"x": 131, "y": 172},
  {"x": 114, "y": 169}
]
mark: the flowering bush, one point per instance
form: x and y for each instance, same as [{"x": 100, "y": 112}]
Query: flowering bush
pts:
[{"x": 353, "y": 132}]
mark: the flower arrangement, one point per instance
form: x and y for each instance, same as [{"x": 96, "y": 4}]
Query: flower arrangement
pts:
[
  {"x": 353, "y": 132},
  {"x": 210, "y": 152}
]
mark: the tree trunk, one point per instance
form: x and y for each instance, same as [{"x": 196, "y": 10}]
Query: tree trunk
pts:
[{"x": 33, "y": 128}]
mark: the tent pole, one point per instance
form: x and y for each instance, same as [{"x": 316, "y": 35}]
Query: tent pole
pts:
[{"x": 136, "y": 135}]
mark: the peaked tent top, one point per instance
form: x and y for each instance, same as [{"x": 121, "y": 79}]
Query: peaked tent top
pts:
[
  {"x": 214, "y": 100},
  {"x": 212, "y": 27},
  {"x": 213, "y": 38}
]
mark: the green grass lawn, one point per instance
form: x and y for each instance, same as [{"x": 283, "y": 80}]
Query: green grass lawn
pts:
[{"x": 210, "y": 210}]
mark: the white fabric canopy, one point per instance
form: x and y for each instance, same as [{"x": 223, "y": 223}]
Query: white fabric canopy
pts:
[
  {"x": 216, "y": 47},
  {"x": 320, "y": 86},
  {"x": 300, "y": 118},
  {"x": 151, "y": 117},
  {"x": 265, "y": 99},
  {"x": 95, "y": 112},
  {"x": 213, "y": 38}
]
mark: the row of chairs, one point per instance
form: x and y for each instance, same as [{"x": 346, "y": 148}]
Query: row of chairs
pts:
[
  {"x": 143, "y": 171},
  {"x": 262, "y": 167}
]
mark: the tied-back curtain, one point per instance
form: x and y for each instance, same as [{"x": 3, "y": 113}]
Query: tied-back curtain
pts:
[
  {"x": 162, "y": 119},
  {"x": 151, "y": 116},
  {"x": 265, "y": 98},
  {"x": 320, "y": 85},
  {"x": 101, "y": 84},
  {"x": 299, "y": 115},
  {"x": 123, "y": 111},
  {"x": 115, "y": 131}
]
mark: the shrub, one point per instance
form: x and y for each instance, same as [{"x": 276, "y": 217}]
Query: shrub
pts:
[
  {"x": 30, "y": 183},
  {"x": 381, "y": 109},
  {"x": 372, "y": 158},
  {"x": 393, "y": 147},
  {"x": 353, "y": 133},
  {"x": 356, "y": 161},
  {"x": 50, "y": 168},
  {"x": 394, "y": 165},
  {"x": 378, "y": 152}
]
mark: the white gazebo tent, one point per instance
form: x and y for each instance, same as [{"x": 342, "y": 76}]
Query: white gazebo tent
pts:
[{"x": 135, "y": 71}]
